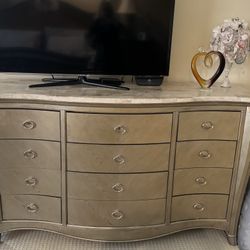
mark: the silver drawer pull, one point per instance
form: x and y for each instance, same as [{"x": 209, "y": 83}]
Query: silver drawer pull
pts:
[
  {"x": 204, "y": 154},
  {"x": 31, "y": 181},
  {"x": 201, "y": 181},
  {"x": 207, "y": 125},
  {"x": 199, "y": 207},
  {"x": 117, "y": 215},
  {"x": 30, "y": 154},
  {"x": 119, "y": 159},
  {"x": 118, "y": 188},
  {"x": 121, "y": 129},
  {"x": 29, "y": 124},
  {"x": 32, "y": 208}
]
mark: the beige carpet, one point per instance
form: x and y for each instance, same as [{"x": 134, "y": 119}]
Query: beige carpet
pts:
[{"x": 189, "y": 240}]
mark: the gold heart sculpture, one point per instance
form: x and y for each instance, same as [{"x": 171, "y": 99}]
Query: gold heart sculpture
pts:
[{"x": 208, "y": 62}]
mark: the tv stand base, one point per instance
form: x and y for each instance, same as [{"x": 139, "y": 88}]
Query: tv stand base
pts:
[
  {"x": 149, "y": 80},
  {"x": 111, "y": 83}
]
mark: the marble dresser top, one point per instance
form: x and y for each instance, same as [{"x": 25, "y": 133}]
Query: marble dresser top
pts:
[{"x": 15, "y": 87}]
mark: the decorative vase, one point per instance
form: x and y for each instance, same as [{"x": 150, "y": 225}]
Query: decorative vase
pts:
[{"x": 226, "y": 83}]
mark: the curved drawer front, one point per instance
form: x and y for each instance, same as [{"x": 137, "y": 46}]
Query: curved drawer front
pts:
[
  {"x": 208, "y": 125},
  {"x": 205, "y": 154},
  {"x": 29, "y": 124},
  {"x": 209, "y": 180},
  {"x": 29, "y": 153},
  {"x": 117, "y": 158},
  {"x": 118, "y": 129},
  {"x": 31, "y": 207},
  {"x": 117, "y": 187},
  {"x": 122, "y": 213},
  {"x": 191, "y": 207},
  {"x": 30, "y": 181}
]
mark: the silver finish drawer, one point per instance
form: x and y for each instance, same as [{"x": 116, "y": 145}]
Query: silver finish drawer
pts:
[
  {"x": 31, "y": 207},
  {"x": 30, "y": 181},
  {"x": 117, "y": 187},
  {"x": 118, "y": 129},
  {"x": 29, "y": 124},
  {"x": 117, "y": 158},
  {"x": 119, "y": 214},
  {"x": 29, "y": 154}
]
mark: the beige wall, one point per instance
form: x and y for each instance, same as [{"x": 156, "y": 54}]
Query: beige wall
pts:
[{"x": 194, "y": 21}]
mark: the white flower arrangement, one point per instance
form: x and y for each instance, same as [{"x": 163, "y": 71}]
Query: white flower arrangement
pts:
[{"x": 232, "y": 40}]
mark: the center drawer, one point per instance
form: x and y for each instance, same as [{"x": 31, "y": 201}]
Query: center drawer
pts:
[
  {"x": 118, "y": 129},
  {"x": 117, "y": 187},
  {"x": 119, "y": 214},
  {"x": 117, "y": 158}
]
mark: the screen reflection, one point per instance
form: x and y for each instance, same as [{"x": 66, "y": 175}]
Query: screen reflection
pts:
[{"x": 85, "y": 36}]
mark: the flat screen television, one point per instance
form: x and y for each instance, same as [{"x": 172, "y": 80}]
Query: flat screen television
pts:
[{"x": 115, "y": 37}]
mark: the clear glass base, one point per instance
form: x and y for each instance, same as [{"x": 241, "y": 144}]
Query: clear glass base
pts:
[{"x": 226, "y": 83}]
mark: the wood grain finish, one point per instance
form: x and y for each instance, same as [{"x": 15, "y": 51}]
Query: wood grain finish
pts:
[
  {"x": 31, "y": 207},
  {"x": 117, "y": 187},
  {"x": 199, "y": 180},
  {"x": 29, "y": 124},
  {"x": 118, "y": 214},
  {"x": 118, "y": 129},
  {"x": 117, "y": 158},
  {"x": 218, "y": 125},
  {"x": 30, "y": 181},
  {"x": 196, "y": 154},
  {"x": 29, "y": 153},
  {"x": 193, "y": 207}
]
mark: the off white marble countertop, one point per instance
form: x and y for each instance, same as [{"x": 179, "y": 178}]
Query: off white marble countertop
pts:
[{"x": 16, "y": 87}]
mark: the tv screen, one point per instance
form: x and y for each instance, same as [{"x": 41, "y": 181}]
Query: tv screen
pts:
[{"x": 121, "y": 37}]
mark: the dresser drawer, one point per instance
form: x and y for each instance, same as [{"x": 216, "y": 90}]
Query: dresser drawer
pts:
[
  {"x": 30, "y": 181},
  {"x": 121, "y": 213},
  {"x": 29, "y": 153},
  {"x": 191, "y": 207},
  {"x": 209, "y": 125},
  {"x": 29, "y": 124},
  {"x": 118, "y": 129},
  {"x": 117, "y": 158},
  {"x": 214, "y": 154},
  {"x": 117, "y": 187},
  {"x": 199, "y": 180},
  {"x": 31, "y": 207}
]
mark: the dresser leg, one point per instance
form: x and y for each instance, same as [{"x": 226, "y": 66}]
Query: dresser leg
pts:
[{"x": 232, "y": 240}]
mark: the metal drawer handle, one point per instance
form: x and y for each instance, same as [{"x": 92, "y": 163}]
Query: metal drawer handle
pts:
[
  {"x": 121, "y": 129},
  {"x": 30, "y": 154},
  {"x": 31, "y": 181},
  {"x": 117, "y": 215},
  {"x": 32, "y": 208},
  {"x": 118, "y": 188},
  {"x": 119, "y": 159},
  {"x": 201, "y": 181},
  {"x": 204, "y": 154},
  {"x": 29, "y": 124},
  {"x": 207, "y": 125},
  {"x": 199, "y": 207}
]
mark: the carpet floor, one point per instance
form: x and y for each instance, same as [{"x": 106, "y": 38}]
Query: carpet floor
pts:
[{"x": 188, "y": 240}]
